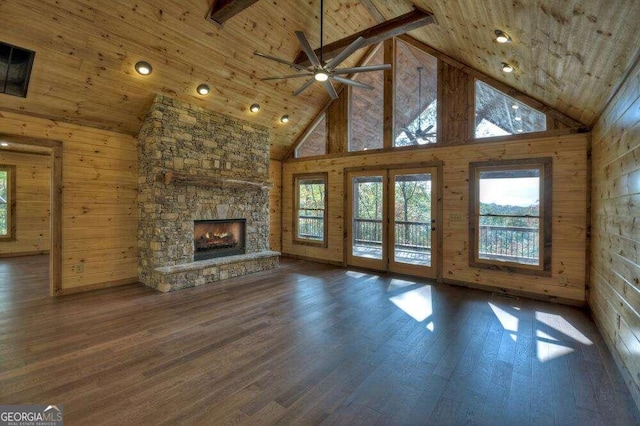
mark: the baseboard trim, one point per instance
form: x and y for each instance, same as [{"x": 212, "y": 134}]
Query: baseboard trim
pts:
[
  {"x": 518, "y": 293},
  {"x": 624, "y": 371},
  {"x": 312, "y": 259},
  {"x": 23, "y": 253},
  {"x": 73, "y": 290}
]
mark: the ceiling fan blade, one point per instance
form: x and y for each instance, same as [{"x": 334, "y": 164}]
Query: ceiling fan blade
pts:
[
  {"x": 307, "y": 49},
  {"x": 282, "y": 61},
  {"x": 351, "y": 82},
  {"x": 284, "y": 77},
  {"x": 340, "y": 57},
  {"x": 329, "y": 88},
  {"x": 366, "y": 68},
  {"x": 304, "y": 87}
]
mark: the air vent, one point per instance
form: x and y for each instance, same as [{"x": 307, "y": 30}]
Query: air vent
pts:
[{"x": 15, "y": 69}]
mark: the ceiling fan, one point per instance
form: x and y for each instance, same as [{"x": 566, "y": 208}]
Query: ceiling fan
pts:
[{"x": 324, "y": 72}]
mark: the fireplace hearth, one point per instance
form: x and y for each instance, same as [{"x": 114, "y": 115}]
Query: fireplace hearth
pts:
[{"x": 218, "y": 238}]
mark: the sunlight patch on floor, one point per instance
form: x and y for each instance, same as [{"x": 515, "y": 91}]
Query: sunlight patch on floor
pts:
[
  {"x": 396, "y": 284},
  {"x": 546, "y": 351},
  {"x": 563, "y": 326},
  {"x": 509, "y": 322},
  {"x": 416, "y": 303}
]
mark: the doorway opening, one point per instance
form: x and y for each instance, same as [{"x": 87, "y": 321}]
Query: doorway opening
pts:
[{"x": 31, "y": 211}]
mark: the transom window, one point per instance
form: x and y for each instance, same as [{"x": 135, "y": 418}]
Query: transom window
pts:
[
  {"x": 315, "y": 142},
  {"x": 416, "y": 96},
  {"x": 366, "y": 108},
  {"x": 498, "y": 114},
  {"x": 510, "y": 214},
  {"x": 310, "y": 209}
]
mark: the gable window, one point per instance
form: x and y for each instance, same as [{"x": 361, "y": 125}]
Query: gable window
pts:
[
  {"x": 310, "y": 209},
  {"x": 7, "y": 202},
  {"x": 15, "y": 69},
  {"x": 366, "y": 109},
  {"x": 510, "y": 215},
  {"x": 498, "y": 114},
  {"x": 416, "y": 96},
  {"x": 315, "y": 142}
]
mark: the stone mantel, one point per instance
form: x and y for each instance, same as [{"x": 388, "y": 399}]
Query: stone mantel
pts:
[
  {"x": 196, "y": 164},
  {"x": 169, "y": 176}
]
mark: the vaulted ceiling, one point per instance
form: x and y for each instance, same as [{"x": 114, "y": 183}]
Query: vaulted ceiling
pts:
[{"x": 568, "y": 54}]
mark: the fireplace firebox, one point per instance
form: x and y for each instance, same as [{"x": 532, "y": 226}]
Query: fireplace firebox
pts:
[{"x": 218, "y": 238}]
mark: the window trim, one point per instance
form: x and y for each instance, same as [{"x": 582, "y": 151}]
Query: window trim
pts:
[
  {"x": 11, "y": 202},
  {"x": 296, "y": 208},
  {"x": 545, "y": 231}
]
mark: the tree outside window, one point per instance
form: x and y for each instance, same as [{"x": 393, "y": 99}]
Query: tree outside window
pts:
[
  {"x": 310, "y": 209},
  {"x": 7, "y": 202}
]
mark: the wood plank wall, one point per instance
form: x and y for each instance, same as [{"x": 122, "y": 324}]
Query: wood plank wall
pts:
[
  {"x": 33, "y": 182},
  {"x": 275, "y": 202},
  {"x": 99, "y": 200},
  {"x": 569, "y": 154},
  {"x": 614, "y": 294}
]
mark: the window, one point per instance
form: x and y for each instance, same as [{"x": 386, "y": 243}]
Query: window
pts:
[
  {"x": 15, "y": 69},
  {"x": 310, "y": 209},
  {"x": 315, "y": 142},
  {"x": 416, "y": 96},
  {"x": 366, "y": 109},
  {"x": 510, "y": 215},
  {"x": 7, "y": 202},
  {"x": 498, "y": 114}
]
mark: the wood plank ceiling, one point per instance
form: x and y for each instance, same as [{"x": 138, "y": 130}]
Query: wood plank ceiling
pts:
[{"x": 568, "y": 54}]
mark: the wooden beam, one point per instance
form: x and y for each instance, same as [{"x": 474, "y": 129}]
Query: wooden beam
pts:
[
  {"x": 373, "y": 10},
  {"x": 389, "y": 96},
  {"x": 394, "y": 27},
  {"x": 223, "y": 10}
]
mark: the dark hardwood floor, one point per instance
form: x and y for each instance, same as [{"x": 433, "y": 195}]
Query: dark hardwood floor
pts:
[{"x": 305, "y": 344}]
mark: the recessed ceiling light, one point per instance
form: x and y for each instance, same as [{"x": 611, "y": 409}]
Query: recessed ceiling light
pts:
[
  {"x": 254, "y": 108},
  {"x": 144, "y": 68},
  {"x": 4, "y": 144},
  {"x": 203, "y": 89},
  {"x": 507, "y": 67},
  {"x": 514, "y": 106},
  {"x": 518, "y": 118},
  {"x": 502, "y": 37},
  {"x": 284, "y": 119},
  {"x": 321, "y": 76}
]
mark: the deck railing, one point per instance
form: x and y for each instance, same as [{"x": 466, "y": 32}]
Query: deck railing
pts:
[
  {"x": 311, "y": 227},
  {"x": 509, "y": 243}
]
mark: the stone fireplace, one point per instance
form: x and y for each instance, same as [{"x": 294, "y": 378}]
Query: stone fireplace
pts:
[
  {"x": 218, "y": 238},
  {"x": 198, "y": 168}
]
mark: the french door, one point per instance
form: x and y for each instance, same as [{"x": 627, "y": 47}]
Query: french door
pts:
[{"x": 392, "y": 220}]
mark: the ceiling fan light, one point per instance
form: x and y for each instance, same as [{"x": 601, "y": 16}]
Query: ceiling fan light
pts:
[
  {"x": 143, "y": 68},
  {"x": 507, "y": 67},
  {"x": 321, "y": 76},
  {"x": 502, "y": 37},
  {"x": 203, "y": 89},
  {"x": 254, "y": 108}
]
